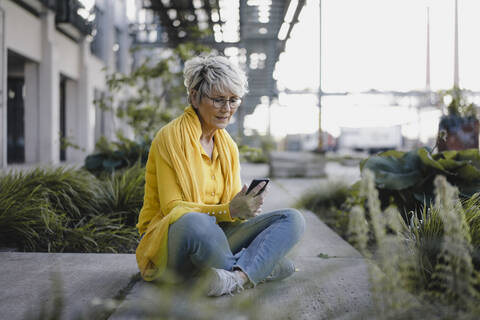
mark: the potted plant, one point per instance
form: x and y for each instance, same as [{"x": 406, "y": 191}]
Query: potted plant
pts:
[{"x": 458, "y": 130}]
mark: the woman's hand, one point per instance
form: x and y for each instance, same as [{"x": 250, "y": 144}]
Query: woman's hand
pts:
[{"x": 244, "y": 206}]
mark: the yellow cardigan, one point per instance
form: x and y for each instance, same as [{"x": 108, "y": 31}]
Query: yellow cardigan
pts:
[{"x": 180, "y": 178}]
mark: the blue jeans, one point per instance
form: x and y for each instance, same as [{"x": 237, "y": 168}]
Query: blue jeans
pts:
[{"x": 197, "y": 242}]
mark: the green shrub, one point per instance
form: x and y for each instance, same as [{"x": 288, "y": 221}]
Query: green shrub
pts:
[
  {"x": 36, "y": 205},
  {"x": 123, "y": 193},
  {"x": 100, "y": 234},
  {"x": 111, "y": 156},
  {"x": 70, "y": 210}
]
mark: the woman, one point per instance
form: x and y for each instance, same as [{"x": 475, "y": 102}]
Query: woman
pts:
[{"x": 196, "y": 215}]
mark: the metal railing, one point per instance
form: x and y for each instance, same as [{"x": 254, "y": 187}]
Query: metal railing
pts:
[
  {"x": 51, "y": 4},
  {"x": 66, "y": 12}
]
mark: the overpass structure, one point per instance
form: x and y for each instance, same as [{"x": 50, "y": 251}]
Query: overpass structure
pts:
[{"x": 253, "y": 32}]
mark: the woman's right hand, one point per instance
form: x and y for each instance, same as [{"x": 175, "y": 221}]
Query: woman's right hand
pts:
[{"x": 244, "y": 206}]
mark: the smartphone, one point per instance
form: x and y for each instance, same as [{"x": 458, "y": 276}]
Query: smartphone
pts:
[{"x": 255, "y": 182}]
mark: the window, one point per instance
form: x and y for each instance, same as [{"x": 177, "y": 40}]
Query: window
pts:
[
  {"x": 97, "y": 45},
  {"x": 116, "y": 49},
  {"x": 63, "y": 118}
]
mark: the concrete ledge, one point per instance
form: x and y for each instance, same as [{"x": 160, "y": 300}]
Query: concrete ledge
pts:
[
  {"x": 332, "y": 282},
  {"x": 27, "y": 278}
]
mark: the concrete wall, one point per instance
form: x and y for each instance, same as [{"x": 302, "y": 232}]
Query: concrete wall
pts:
[
  {"x": 3, "y": 89},
  {"x": 23, "y": 31},
  {"x": 97, "y": 73},
  {"x": 49, "y": 94},
  {"x": 68, "y": 57},
  {"x": 48, "y": 54}
]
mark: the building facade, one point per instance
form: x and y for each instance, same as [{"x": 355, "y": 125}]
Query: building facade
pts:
[{"x": 53, "y": 63}]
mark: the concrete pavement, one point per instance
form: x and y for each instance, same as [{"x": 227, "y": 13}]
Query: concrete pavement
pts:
[
  {"x": 332, "y": 282},
  {"x": 28, "y": 282}
]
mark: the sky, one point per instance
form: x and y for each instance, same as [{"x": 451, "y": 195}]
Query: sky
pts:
[{"x": 371, "y": 44}]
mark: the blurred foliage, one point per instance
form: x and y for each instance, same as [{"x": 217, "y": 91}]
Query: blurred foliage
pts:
[
  {"x": 251, "y": 154},
  {"x": 70, "y": 210},
  {"x": 146, "y": 99},
  {"x": 67, "y": 142},
  {"x": 152, "y": 94},
  {"x": 457, "y": 103},
  {"x": 256, "y": 148},
  {"x": 408, "y": 282}
]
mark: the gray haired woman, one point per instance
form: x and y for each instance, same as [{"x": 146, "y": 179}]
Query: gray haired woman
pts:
[{"x": 197, "y": 216}]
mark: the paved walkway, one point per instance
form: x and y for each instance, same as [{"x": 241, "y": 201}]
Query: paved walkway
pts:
[{"x": 332, "y": 282}]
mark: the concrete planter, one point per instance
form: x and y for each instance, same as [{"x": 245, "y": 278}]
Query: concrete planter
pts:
[
  {"x": 286, "y": 164},
  {"x": 462, "y": 133}
]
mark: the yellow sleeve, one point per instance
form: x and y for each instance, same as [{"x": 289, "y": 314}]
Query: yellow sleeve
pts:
[{"x": 237, "y": 180}]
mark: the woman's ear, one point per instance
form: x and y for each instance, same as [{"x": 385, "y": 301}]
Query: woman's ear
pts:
[{"x": 194, "y": 98}]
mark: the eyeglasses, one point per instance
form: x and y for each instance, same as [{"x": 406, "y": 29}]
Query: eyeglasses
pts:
[{"x": 219, "y": 103}]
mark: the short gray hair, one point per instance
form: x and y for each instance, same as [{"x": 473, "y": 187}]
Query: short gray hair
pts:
[{"x": 214, "y": 73}]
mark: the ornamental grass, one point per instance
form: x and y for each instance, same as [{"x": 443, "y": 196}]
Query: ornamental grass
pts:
[
  {"x": 70, "y": 210},
  {"x": 425, "y": 266}
]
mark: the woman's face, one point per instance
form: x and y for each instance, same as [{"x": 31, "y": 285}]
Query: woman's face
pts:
[{"x": 213, "y": 112}]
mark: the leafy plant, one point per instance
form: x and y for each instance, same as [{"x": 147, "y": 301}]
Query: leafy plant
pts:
[{"x": 406, "y": 178}]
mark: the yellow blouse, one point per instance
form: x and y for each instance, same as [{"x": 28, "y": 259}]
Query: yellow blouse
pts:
[{"x": 161, "y": 188}]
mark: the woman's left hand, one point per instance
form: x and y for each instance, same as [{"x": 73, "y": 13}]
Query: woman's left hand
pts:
[{"x": 245, "y": 206}]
